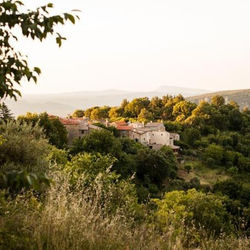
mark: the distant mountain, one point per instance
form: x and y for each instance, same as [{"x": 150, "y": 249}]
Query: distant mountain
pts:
[
  {"x": 181, "y": 90},
  {"x": 241, "y": 96},
  {"x": 65, "y": 103}
]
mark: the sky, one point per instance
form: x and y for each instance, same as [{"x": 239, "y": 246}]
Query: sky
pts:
[{"x": 139, "y": 45}]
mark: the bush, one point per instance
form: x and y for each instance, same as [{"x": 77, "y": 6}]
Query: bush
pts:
[
  {"x": 23, "y": 157},
  {"x": 206, "y": 211},
  {"x": 24, "y": 148},
  {"x": 213, "y": 154}
]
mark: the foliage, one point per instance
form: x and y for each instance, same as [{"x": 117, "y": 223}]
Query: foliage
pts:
[
  {"x": 112, "y": 129},
  {"x": 23, "y": 156},
  {"x": 155, "y": 166},
  {"x": 218, "y": 100},
  {"x": 35, "y": 24},
  {"x": 204, "y": 210},
  {"x": 187, "y": 168},
  {"x": 191, "y": 135},
  {"x": 101, "y": 141},
  {"x": 213, "y": 155},
  {"x": 16, "y": 181},
  {"x": 53, "y": 128},
  {"x": 76, "y": 220},
  {"x": 78, "y": 113},
  {"x": 24, "y": 146},
  {"x": 5, "y": 113},
  {"x": 145, "y": 116},
  {"x": 89, "y": 165}
]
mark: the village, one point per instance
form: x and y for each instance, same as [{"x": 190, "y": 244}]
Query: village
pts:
[{"x": 151, "y": 134}]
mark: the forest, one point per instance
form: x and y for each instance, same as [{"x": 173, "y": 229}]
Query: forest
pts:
[{"x": 105, "y": 191}]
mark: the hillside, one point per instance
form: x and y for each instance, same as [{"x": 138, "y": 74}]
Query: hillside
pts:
[
  {"x": 241, "y": 96},
  {"x": 63, "y": 104}
]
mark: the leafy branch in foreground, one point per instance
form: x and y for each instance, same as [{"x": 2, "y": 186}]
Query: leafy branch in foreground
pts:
[{"x": 35, "y": 24}]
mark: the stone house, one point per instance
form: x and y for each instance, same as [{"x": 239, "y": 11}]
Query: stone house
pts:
[
  {"x": 76, "y": 128},
  {"x": 154, "y": 135}
]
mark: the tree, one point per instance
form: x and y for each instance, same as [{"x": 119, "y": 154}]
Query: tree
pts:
[
  {"x": 213, "y": 154},
  {"x": 229, "y": 187},
  {"x": 23, "y": 156},
  {"x": 100, "y": 113},
  {"x": 190, "y": 135},
  {"x": 115, "y": 112},
  {"x": 35, "y": 24},
  {"x": 135, "y": 106},
  {"x": 145, "y": 116},
  {"x": 101, "y": 141},
  {"x": 5, "y": 113},
  {"x": 218, "y": 100},
  {"x": 154, "y": 165},
  {"x": 183, "y": 108},
  {"x": 202, "y": 210},
  {"x": 187, "y": 168},
  {"x": 53, "y": 128},
  {"x": 78, "y": 113}
]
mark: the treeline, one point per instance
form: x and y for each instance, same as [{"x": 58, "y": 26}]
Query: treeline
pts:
[{"x": 169, "y": 108}]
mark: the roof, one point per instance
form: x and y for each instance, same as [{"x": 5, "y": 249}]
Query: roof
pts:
[
  {"x": 69, "y": 121},
  {"x": 127, "y": 128},
  {"x": 154, "y": 124},
  {"x": 119, "y": 123},
  {"x": 52, "y": 116}
]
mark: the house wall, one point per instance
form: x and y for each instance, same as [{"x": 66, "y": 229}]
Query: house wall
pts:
[
  {"x": 134, "y": 136},
  {"x": 175, "y": 136},
  {"x": 155, "y": 127},
  {"x": 159, "y": 137},
  {"x": 76, "y": 131}
]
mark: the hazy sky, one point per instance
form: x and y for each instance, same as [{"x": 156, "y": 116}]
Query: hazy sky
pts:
[{"x": 143, "y": 44}]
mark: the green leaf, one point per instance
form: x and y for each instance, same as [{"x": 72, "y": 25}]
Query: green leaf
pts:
[
  {"x": 50, "y": 5},
  {"x": 70, "y": 17},
  {"x": 37, "y": 70},
  {"x": 59, "y": 41}
]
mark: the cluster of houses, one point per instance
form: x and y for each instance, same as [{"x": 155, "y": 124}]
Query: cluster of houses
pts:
[{"x": 152, "y": 134}]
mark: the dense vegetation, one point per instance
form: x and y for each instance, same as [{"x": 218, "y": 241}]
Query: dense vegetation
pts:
[{"x": 106, "y": 192}]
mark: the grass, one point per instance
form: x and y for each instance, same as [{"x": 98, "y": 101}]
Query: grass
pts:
[
  {"x": 66, "y": 219},
  {"x": 207, "y": 176}
]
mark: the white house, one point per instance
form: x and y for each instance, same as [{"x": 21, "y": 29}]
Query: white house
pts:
[{"x": 154, "y": 135}]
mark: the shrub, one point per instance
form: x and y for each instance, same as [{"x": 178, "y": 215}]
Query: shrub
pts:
[
  {"x": 23, "y": 157},
  {"x": 204, "y": 210},
  {"x": 214, "y": 152},
  {"x": 24, "y": 148}
]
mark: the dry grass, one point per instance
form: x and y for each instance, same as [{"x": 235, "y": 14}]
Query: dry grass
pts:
[{"x": 76, "y": 220}]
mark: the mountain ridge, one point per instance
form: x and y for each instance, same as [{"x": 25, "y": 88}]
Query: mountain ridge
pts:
[
  {"x": 241, "y": 96},
  {"x": 63, "y": 104}
]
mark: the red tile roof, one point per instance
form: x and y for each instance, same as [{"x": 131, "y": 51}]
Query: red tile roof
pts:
[
  {"x": 127, "y": 128},
  {"x": 69, "y": 121}
]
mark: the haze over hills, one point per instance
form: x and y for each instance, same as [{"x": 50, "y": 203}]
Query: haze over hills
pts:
[
  {"x": 65, "y": 103},
  {"x": 241, "y": 96}
]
